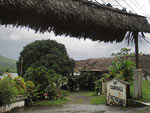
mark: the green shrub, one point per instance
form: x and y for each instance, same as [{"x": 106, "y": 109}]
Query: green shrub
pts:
[
  {"x": 8, "y": 90},
  {"x": 30, "y": 86},
  {"x": 20, "y": 85},
  {"x": 87, "y": 80},
  {"x": 98, "y": 86},
  {"x": 32, "y": 91},
  {"x": 122, "y": 69}
]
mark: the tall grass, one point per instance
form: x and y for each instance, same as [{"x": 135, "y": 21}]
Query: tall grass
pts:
[{"x": 145, "y": 90}]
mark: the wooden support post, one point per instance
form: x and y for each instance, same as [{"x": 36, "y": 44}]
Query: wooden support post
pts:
[
  {"x": 137, "y": 72},
  {"x": 136, "y": 50}
]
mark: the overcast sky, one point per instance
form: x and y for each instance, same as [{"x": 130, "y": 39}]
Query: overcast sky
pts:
[{"x": 12, "y": 40}]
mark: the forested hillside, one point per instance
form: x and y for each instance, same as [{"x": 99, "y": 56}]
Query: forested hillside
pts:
[{"x": 7, "y": 64}]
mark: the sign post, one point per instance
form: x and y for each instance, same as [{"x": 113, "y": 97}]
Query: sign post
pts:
[{"x": 118, "y": 92}]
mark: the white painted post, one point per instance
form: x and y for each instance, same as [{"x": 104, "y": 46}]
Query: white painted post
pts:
[{"x": 138, "y": 83}]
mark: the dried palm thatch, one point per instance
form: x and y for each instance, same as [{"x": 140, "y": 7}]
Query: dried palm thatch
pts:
[
  {"x": 93, "y": 64},
  {"x": 75, "y": 18},
  {"x": 104, "y": 63}
]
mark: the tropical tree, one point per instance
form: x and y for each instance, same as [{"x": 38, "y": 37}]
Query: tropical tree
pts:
[
  {"x": 122, "y": 69},
  {"x": 59, "y": 80},
  {"x": 47, "y": 80},
  {"x": 123, "y": 52},
  {"x": 40, "y": 76},
  {"x": 47, "y": 53}
]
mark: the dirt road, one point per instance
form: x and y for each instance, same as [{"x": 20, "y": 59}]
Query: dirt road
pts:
[{"x": 81, "y": 104}]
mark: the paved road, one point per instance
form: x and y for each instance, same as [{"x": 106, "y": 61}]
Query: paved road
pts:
[{"x": 80, "y": 104}]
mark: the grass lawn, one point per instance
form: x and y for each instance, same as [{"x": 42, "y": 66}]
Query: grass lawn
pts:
[
  {"x": 94, "y": 98},
  {"x": 98, "y": 99},
  {"x": 146, "y": 90}
]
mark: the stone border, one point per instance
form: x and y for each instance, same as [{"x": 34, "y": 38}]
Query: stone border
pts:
[
  {"x": 136, "y": 103},
  {"x": 16, "y": 103}
]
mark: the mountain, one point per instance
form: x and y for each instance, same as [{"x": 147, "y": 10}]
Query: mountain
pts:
[{"x": 7, "y": 64}]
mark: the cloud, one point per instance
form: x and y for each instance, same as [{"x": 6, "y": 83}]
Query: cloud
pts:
[{"x": 13, "y": 40}]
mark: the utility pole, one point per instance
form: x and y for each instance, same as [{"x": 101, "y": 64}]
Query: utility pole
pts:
[
  {"x": 21, "y": 66},
  {"x": 136, "y": 49}
]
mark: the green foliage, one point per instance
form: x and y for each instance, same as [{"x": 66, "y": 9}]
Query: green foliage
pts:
[
  {"x": 8, "y": 90},
  {"x": 122, "y": 69},
  {"x": 104, "y": 78},
  {"x": 131, "y": 89},
  {"x": 94, "y": 99},
  {"x": 98, "y": 86},
  {"x": 98, "y": 100},
  {"x": 124, "y": 52},
  {"x": 63, "y": 99},
  {"x": 42, "y": 78},
  {"x": 47, "y": 53},
  {"x": 48, "y": 80},
  {"x": 30, "y": 86},
  {"x": 7, "y": 64},
  {"x": 32, "y": 92},
  {"x": 30, "y": 89},
  {"x": 59, "y": 80},
  {"x": 20, "y": 85},
  {"x": 88, "y": 93},
  {"x": 55, "y": 82},
  {"x": 38, "y": 75},
  {"x": 47, "y": 64},
  {"x": 12, "y": 87},
  {"x": 87, "y": 80}
]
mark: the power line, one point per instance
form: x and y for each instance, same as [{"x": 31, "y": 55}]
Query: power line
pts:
[
  {"x": 103, "y": 1},
  {"x": 137, "y": 6},
  {"x": 119, "y": 4},
  {"x": 145, "y": 39},
  {"x": 148, "y": 41},
  {"x": 129, "y": 6},
  {"x": 143, "y": 50},
  {"x": 141, "y": 7},
  {"x": 99, "y": 3}
]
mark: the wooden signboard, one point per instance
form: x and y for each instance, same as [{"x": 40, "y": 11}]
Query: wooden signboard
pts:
[{"x": 117, "y": 92}]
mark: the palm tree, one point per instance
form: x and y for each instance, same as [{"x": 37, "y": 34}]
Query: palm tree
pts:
[{"x": 59, "y": 80}]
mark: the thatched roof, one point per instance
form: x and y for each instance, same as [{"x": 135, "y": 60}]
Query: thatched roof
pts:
[
  {"x": 103, "y": 64},
  {"x": 76, "y": 18},
  {"x": 93, "y": 64}
]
